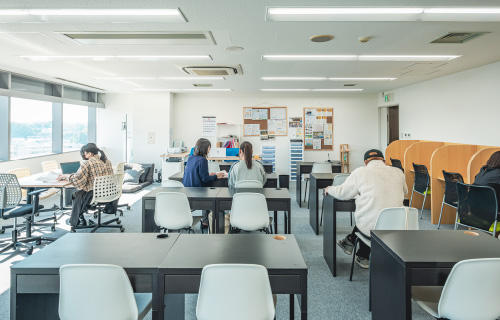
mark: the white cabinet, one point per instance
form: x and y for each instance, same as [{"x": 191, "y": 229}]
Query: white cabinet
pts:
[{"x": 296, "y": 155}]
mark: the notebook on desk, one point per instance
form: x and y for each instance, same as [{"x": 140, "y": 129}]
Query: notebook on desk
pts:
[{"x": 70, "y": 167}]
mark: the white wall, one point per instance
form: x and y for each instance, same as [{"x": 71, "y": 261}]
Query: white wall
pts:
[
  {"x": 355, "y": 120},
  {"x": 463, "y": 107}
]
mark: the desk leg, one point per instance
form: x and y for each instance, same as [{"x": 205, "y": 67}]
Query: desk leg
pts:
[
  {"x": 330, "y": 234},
  {"x": 158, "y": 288},
  {"x": 313, "y": 205},
  {"x": 391, "y": 286},
  {"x": 276, "y": 222},
  {"x": 303, "y": 298},
  {"x": 174, "y": 306},
  {"x": 298, "y": 186},
  {"x": 289, "y": 218},
  {"x": 292, "y": 306}
]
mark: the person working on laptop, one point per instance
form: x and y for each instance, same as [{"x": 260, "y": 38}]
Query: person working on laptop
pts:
[
  {"x": 196, "y": 172},
  {"x": 375, "y": 187},
  {"x": 246, "y": 168},
  {"x": 93, "y": 166}
]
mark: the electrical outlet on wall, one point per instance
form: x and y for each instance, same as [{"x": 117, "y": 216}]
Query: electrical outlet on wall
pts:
[{"x": 151, "y": 137}]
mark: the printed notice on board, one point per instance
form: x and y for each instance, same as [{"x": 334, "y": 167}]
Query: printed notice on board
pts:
[
  {"x": 209, "y": 127},
  {"x": 247, "y": 113}
]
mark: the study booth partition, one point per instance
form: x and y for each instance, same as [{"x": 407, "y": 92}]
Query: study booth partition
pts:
[
  {"x": 465, "y": 159},
  {"x": 397, "y": 149}
]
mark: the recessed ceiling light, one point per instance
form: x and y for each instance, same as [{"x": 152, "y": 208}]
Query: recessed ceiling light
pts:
[
  {"x": 104, "y": 58},
  {"x": 294, "y": 78},
  {"x": 285, "y": 89},
  {"x": 192, "y": 78},
  {"x": 104, "y": 12},
  {"x": 234, "y": 48},
  {"x": 337, "y": 90},
  {"x": 126, "y": 78},
  {"x": 201, "y": 90},
  {"x": 359, "y": 58},
  {"x": 321, "y": 38},
  {"x": 361, "y": 79},
  {"x": 383, "y": 14}
]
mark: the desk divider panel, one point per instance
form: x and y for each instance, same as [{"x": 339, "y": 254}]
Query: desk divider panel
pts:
[
  {"x": 396, "y": 150},
  {"x": 419, "y": 153}
]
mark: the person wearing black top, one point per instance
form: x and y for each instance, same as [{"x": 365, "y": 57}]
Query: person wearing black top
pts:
[{"x": 489, "y": 175}]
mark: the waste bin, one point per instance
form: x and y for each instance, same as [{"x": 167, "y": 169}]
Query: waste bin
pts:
[{"x": 284, "y": 181}]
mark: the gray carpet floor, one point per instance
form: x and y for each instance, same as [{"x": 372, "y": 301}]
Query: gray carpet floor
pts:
[{"x": 328, "y": 297}]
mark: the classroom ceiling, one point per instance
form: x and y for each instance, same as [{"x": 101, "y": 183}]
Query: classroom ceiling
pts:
[{"x": 243, "y": 24}]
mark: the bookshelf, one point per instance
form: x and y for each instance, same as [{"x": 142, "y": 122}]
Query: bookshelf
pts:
[
  {"x": 227, "y": 132},
  {"x": 344, "y": 158}
]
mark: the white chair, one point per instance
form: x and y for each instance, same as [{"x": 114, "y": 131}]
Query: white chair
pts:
[
  {"x": 470, "y": 292},
  {"x": 249, "y": 184},
  {"x": 171, "y": 184},
  {"x": 106, "y": 189},
  {"x": 49, "y": 165},
  {"x": 21, "y": 173},
  {"x": 249, "y": 212},
  {"x": 172, "y": 212},
  {"x": 120, "y": 169},
  {"x": 109, "y": 288},
  {"x": 235, "y": 291},
  {"x": 337, "y": 181},
  {"x": 318, "y": 167},
  {"x": 399, "y": 218}
]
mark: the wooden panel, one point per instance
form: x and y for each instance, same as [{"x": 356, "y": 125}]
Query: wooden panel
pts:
[
  {"x": 397, "y": 149},
  {"x": 478, "y": 160},
  {"x": 418, "y": 153},
  {"x": 451, "y": 158}
]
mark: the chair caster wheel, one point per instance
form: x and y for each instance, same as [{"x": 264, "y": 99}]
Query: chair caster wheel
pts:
[
  {"x": 38, "y": 242},
  {"x": 128, "y": 207},
  {"x": 53, "y": 228},
  {"x": 118, "y": 221},
  {"x": 2, "y": 231},
  {"x": 121, "y": 214},
  {"x": 37, "y": 214},
  {"x": 73, "y": 230},
  {"x": 122, "y": 229},
  {"x": 30, "y": 251}
]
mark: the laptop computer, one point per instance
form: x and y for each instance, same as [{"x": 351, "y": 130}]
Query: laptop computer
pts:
[
  {"x": 217, "y": 153},
  {"x": 70, "y": 167}
]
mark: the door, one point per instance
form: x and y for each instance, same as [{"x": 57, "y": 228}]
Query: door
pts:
[{"x": 393, "y": 123}]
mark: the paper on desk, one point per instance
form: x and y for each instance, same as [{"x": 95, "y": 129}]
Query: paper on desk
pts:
[{"x": 49, "y": 177}]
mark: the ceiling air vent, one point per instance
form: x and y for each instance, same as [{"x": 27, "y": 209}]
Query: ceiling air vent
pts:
[
  {"x": 457, "y": 37},
  {"x": 202, "y": 85},
  {"x": 349, "y": 85},
  {"x": 141, "y": 38},
  {"x": 213, "y": 71}
]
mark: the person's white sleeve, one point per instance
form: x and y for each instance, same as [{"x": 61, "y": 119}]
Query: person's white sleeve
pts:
[
  {"x": 347, "y": 190},
  {"x": 405, "y": 187}
]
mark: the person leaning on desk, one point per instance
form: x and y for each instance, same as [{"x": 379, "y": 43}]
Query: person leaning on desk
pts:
[
  {"x": 196, "y": 172},
  {"x": 375, "y": 187},
  {"x": 93, "y": 166}
]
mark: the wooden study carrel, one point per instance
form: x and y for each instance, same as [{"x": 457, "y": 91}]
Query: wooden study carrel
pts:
[
  {"x": 318, "y": 129},
  {"x": 273, "y": 120}
]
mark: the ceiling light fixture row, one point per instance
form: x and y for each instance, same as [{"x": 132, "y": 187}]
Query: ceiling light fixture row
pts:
[
  {"x": 324, "y": 79},
  {"x": 304, "y": 57},
  {"x": 316, "y": 90},
  {"x": 183, "y": 90},
  {"x": 162, "y": 78},
  {"x": 124, "y": 58},
  {"x": 383, "y": 14}
]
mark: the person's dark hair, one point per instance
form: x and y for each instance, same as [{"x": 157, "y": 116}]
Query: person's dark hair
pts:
[
  {"x": 201, "y": 147},
  {"x": 494, "y": 160},
  {"x": 92, "y": 148},
  {"x": 246, "y": 148}
]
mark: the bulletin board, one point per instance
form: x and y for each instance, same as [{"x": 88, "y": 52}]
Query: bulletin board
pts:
[
  {"x": 270, "y": 119},
  {"x": 318, "y": 129}
]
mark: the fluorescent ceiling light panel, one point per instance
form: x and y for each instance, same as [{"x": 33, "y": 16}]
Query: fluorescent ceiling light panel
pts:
[
  {"x": 383, "y": 14},
  {"x": 362, "y": 79},
  {"x": 141, "y": 38},
  {"x": 294, "y": 78},
  {"x": 125, "y": 58},
  {"x": 359, "y": 58},
  {"x": 185, "y": 90},
  {"x": 201, "y": 90},
  {"x": 285, "y": 89},
  {"x": 337, "y": 90},
  {"x": 92, "y": 15},
  {"x": 161, "y": 78}
]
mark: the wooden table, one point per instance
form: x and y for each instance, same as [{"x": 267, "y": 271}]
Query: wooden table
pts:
[
  {"x": 317, "y": 181},
  {"x": 199, "y": 199},
  {"x": 272, "y": 180},
  {"x": 401, "y": 259},
  {"x": 34, "y": 287},
  {"x": 306, "y": 167},
  {"x": 330, "y": 207},
  {"x": 277, "y": 200},
  {"x": 180, "y": 272}
]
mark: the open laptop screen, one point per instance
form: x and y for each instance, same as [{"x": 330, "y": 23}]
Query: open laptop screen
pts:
[{"x": 70, "y": 167}]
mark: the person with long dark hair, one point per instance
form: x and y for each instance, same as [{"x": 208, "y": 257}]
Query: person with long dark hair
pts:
[
  {"x": 196, "y": 172},
  {"x": 246, "y": 168},
  {"x": 489, "y": 175},
  {"x": 94, "y": 165}
]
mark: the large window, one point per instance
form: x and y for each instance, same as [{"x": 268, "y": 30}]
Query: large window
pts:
[
  {"x": 30, "y": 128},
  {"x": 75, "y": 126}
]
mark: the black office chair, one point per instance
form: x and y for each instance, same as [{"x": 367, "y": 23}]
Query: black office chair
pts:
[
  {"x": 397, "y": 163},
  {"x": 450, "y": 197},
  {"x": 477, "y": 207},
  {"x": 10, "y": 208},
  {"x": 421, "y": 184}
]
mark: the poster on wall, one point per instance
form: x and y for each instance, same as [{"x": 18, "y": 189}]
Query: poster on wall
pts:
[
  {"x": 209, "y": 126},
  {"x": 269, "y": 119},
  {"x": 318, "y": 128},
  {"x": 295, "y": 127}
]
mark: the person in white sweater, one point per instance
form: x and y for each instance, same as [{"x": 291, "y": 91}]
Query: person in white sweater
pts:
[{"x": 375, "y": 187}]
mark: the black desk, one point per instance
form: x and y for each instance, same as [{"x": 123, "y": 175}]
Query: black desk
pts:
[
  {"x": 180, "y": 272},
  {"x": 272, "y": 180},
  {"x": 317, "y": 181},
  {"x": 35, "y": 281},
  {"x": 306, "y": 167},
  {"x": 331, "y": 206},
  {"x": 401, "y": 259},
  {"x": 277, "y": 200},
  {"x": 199, "y": 199},
  {"x": 268, "y": 166}
]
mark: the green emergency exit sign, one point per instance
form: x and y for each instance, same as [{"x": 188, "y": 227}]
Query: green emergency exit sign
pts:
[{"x": 386, "y": 98}]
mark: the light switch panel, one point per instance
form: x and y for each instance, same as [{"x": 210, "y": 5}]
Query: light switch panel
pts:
[{"x": 151, "y": 137}]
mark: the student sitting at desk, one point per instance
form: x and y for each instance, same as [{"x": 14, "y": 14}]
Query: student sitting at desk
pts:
[
  {"x": 93, "y": 166},
  {"x": 377, "y": 187},
  {"x": 246, "y": 168},
  {"x": 489, "y": 175}
]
